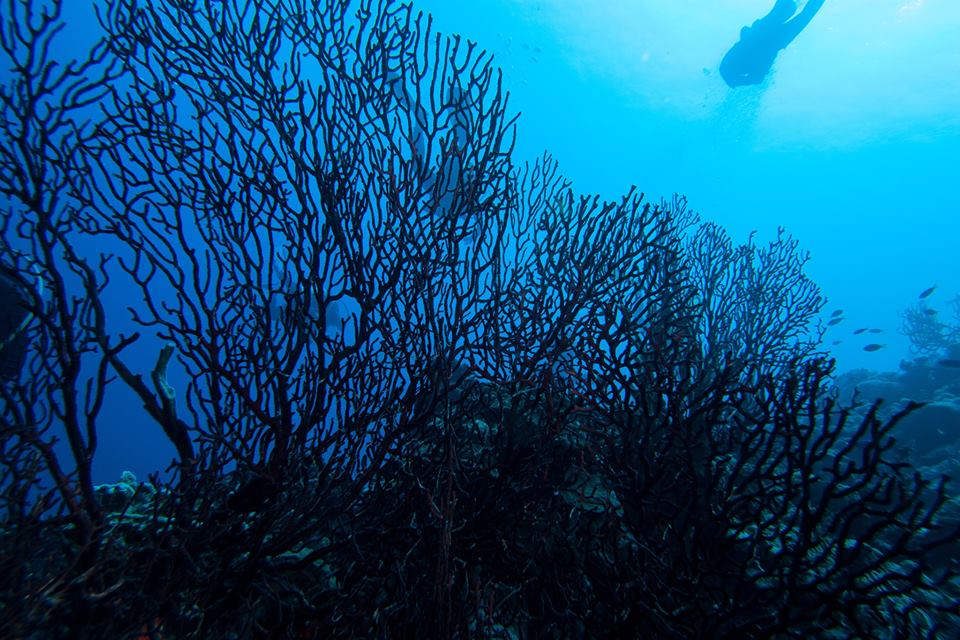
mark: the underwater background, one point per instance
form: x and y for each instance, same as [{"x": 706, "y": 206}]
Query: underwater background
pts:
[{"x": 851, "y": 142}]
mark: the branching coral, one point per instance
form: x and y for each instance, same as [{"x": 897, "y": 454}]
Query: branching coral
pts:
[{"x": 534, "y": 414}]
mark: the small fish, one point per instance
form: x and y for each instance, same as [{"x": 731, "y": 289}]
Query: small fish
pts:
[
  {"x": 876, "y": 330},
  {"x": 838, "y": 312},
  {"x": 859, "y": 331},
  {"x": 873, "y": 347},
  {"x": 927, "y": 292},
  {"x": 929, "y": 312},
  {"x": 836, "y": 342},
  {"x": 949, "y": 362},
  {"x": 13, "y": 321},
  {"x": 835, "y": 321}
]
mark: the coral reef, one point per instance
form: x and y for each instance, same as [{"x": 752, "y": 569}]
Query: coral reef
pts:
[{"x": 430, "y": 392}]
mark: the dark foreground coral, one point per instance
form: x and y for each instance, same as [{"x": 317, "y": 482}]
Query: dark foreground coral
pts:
[{"x": 413, "y": 389}]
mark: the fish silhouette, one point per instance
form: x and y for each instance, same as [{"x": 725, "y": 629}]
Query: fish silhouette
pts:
[{"x": 13, "y": 338}]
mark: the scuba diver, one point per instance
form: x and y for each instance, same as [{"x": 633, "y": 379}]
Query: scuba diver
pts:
[{"x": 750, "y": 59}]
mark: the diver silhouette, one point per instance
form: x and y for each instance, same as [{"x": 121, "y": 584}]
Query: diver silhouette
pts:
[{"x": 750, "y": 59}]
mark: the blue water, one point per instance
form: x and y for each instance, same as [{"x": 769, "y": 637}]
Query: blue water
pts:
[{"x": 851, "y": 144}]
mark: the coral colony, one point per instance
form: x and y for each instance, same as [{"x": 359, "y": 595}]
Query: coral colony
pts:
[{"x": 413, "y": 386}]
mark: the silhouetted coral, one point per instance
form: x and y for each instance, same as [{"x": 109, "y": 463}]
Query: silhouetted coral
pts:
[{"x": 429, "y": 393}]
